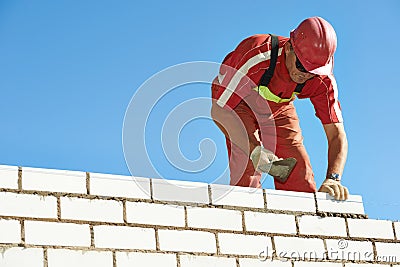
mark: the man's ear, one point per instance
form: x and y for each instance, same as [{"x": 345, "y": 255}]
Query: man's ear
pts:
[{"x": 287, "y": 47}]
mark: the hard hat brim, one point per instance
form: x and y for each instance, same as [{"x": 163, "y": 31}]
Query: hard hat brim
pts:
[{"x": 323, "y": 70}]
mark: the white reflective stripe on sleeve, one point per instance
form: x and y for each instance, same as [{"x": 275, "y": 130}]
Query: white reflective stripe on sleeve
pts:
[
  {"x": 221, "y": 77},
  {"x": 336, "y": 107},
  {"x": 240, "y": 73}
]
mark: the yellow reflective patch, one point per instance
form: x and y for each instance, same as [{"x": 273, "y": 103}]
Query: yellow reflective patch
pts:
[{"x": 268, "y": 95}]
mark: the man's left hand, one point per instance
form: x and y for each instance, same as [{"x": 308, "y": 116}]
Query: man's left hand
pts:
[{"x": 335, "y": 189}]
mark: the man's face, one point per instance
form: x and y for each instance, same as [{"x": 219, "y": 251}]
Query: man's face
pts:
[{"x": 296, "y": 74}]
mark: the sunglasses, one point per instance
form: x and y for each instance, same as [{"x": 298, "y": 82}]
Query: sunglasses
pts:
[{"x": 300, "y": 66}]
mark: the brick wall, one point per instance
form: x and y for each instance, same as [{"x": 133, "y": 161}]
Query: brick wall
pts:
[{"x": 53, "y": 218}]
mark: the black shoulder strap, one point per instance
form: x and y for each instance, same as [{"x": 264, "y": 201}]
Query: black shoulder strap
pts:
[
  {"x": 299, "y": 87},
  {"x": 266, "y": 78}
]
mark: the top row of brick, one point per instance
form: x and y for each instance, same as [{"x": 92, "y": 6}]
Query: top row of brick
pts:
[{"x": 196, "y": 193}]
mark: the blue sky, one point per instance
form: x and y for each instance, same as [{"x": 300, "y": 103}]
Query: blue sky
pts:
[{"x": 69, "y": 70}]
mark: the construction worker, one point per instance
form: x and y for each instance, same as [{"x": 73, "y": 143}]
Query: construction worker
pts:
[{"x": 253, "y": 106}]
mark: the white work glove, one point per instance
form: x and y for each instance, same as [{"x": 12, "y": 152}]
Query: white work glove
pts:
[
  {"x": 266, "y": 161},
  {"x": 335, "y": 189},
  {"x": 262, "y": 159}
]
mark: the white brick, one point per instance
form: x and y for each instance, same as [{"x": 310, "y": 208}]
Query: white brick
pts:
[
  {"x": 370, "y": 228},
  {"x": 201, "y": 261},
  {"x": 328, "y": 226},
  {"x": 133, "y": 259},
  {"x": 68, "y": 258},
  {"x": 388, "y": 252},
  {"x": 91, "y": 210},
  {"x": 316, "y": 264},
  {"x": 24, "y": 205},
  {"x": 187, "y": 241},
  {"x": 53, "y": 180},
  {"x": 340, "y": 249},
  {"x": 155, "y": 214},
  {"x": 353, "y": 204},
  {"x": 299, "y": 248},
  {"x": 58, "y": 234},
  {"x": 119, "y": 186},
  {"x": 124, "y": 237},
  {"x": 397, "y": 229},
  {"x": 262, "y": 262},
  {"x": 182, "y": 191},
  {"x": 10, "y": 231},
  {"x": 214, "y": 218},
  {"x": 237, "y": 196},
  {"x": 8, "y": 177},
  {"x": 366, "y": 265},
  {"x": 288, "y": 200},
  {"x": 270, "y": 222},
  {"x": 15, "y": 257},
  {"x": 240, "y": 244}
]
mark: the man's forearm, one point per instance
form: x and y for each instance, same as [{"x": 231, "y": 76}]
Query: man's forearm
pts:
[
  {"x": 337, "y": 155},
  {"x": 337, "y": 147}
]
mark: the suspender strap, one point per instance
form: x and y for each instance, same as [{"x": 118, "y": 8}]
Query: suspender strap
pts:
[
  {"x": 299, "y": 87},
  {"x": 267, "y": 76}
]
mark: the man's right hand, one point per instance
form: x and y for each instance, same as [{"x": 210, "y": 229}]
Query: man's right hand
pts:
[
  {"x": 266, "y": 161},
  {"x": 262, "y": 159}
]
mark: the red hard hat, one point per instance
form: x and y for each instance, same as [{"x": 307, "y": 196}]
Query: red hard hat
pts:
[{"x": 314, "y": 42}]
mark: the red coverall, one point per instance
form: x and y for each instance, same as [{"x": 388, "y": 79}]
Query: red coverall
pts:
[{"x": 235, "y": 88}]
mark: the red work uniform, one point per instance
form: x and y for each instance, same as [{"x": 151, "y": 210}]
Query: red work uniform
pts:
[{"x": 235, "y": 88}]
